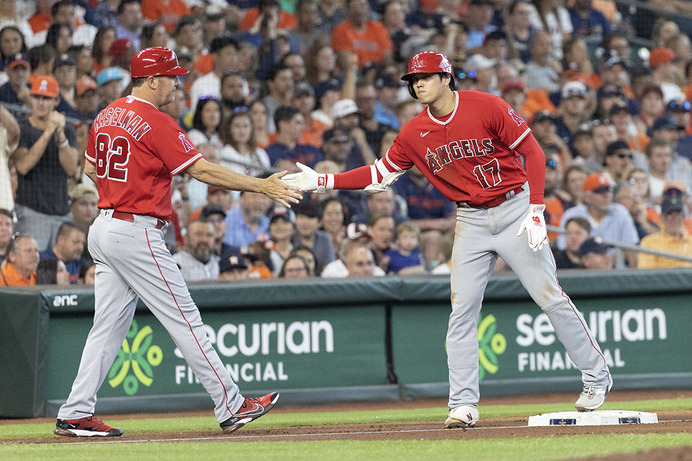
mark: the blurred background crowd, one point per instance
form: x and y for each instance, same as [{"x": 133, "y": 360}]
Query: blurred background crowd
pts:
[{"x": 605, "y": 86}]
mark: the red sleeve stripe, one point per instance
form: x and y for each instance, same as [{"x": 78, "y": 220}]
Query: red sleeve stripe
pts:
[
  {"x": 91, "y": 160},
  {"x": 523, "y": 135},
  {"x": 186, "y": 164}
]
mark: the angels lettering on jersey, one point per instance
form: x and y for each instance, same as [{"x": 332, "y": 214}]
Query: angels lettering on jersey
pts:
[{"x": 463, "y": 148}]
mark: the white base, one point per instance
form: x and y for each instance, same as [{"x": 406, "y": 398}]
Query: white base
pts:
[{"x": 593, "y": 418}]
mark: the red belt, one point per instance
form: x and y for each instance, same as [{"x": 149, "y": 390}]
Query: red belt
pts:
[
  {"x": 130, "y": 217},
  {"x": 494, "y": 202}
]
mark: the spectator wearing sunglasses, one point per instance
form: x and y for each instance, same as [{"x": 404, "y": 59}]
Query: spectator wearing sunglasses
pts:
[
  {"x": 610, "y": 221},
  {"x": 617, "y": 162}
]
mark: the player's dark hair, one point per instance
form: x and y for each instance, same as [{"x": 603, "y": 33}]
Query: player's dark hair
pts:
[
  {"x": 124, "y": 3},
  {"x": 284, "y": 114},
  {"x": 6, "y": 212},
  {"x": 138, "y": 81}
]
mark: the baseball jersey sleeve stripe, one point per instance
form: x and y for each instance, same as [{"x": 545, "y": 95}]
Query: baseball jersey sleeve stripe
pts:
[
  {"x": 92, "y": 160},
  {"x": 186, "y": 164},
  {"x": 523, "y": 135},
  {"x": 391, "y": 164}
]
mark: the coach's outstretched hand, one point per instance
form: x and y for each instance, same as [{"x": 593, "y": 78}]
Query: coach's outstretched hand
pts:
[
  {"x": 276, "y": 189},
  {"x": 308, "y": 180},
  {"x": 534, "y": 225}
]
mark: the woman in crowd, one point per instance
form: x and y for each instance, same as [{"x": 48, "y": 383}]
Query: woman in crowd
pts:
[
  {"x": 333, "y": 221},
  {"x": 260, "y": 122},
  {"x": 549, "y": 16},
  {"x": 105, "y": 37},
  {"x": 320, "y": 62},
  {"x": 206, "y": 123},
  {"x": 281, "y": 229},
  {"x": 240, "y": 151},
  {"x": 12, "y": 41},
  {"x": 574, "y": 183},
  {"x": 154, "y": 34},
  {"x": 52, "y": 272},
  {"x": 294, "y": 267},
  {"x": 60, "y": 37}
]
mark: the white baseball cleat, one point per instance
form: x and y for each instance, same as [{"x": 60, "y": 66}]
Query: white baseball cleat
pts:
[
  {"x": 463, "y": 416},
  {"x": 591, "y": 397}
]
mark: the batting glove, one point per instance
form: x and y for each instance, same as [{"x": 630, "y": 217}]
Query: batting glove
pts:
[
  {"x": 308, "y": 180},
  {"x": 534, "y": 225}
]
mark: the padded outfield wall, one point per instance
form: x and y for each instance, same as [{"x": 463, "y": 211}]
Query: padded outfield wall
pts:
[{"x": 326, "y": 340}]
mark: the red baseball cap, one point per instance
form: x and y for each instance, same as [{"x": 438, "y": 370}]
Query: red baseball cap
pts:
[
  {"x": 85, "y": 84},
  {"x": 596, "y": 180},
  {"x": 119, "y": 46},
  {"x": 19, "y": 60},
  {"x": 45, "y": 86}
]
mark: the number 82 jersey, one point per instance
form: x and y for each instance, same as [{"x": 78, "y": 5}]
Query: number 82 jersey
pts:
[{"x": 136, "y": 150}]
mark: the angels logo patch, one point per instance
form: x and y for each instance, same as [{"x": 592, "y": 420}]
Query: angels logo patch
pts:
[
  {"x": 515, "y": 116},
  {"x": 187, "y": 145}
]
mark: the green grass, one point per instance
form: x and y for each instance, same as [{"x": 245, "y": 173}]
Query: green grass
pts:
[
  {"x": 347, "y": 417},
  {"x": 507, "y": 449},
  {"x": 535, "y": 449}
]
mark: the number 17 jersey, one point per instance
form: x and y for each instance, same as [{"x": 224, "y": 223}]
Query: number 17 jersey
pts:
[
  {"x": 137, "y": 149},
  {"x": 470, "y": 155}
]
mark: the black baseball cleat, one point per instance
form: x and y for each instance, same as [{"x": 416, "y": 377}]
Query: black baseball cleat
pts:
[
  {"x": 250, "y": 410},
  {"x": 85, "y": 427}
]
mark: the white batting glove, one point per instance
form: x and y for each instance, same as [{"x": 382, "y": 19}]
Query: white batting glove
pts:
[
  {"x": 308, "y": 179},
  {"x": 534, "y": 224}
]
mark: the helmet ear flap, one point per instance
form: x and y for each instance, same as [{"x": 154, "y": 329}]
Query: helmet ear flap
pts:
[{"x": 411, "y": 91}]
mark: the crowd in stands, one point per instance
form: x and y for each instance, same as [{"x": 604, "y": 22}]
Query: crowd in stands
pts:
[{"x": 275, "y": 82}]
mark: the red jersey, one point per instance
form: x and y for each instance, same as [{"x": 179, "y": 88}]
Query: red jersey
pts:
[
  {"x": 137, "y": 149},
  {"x": 470, "y": 156}
]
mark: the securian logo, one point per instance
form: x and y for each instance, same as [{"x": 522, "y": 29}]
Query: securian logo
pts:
[
  {"x": 490, "y": 345},
  {"x": 139, "y": 358}
]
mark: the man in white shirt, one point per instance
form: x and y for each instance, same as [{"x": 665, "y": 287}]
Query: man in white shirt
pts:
[{"x": 224, "y": 50}]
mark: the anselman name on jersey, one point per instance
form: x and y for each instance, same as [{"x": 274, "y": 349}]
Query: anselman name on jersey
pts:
[
  {"x": 127, "y": 120},
  {"x": 456, "y": 150}
]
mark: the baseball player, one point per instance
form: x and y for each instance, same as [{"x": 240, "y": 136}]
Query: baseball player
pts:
[
  {"x": 133, "y": 152},
  {"x": 468, "y": 144}
]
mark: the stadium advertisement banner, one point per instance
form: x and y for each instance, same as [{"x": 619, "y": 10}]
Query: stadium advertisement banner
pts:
[
  {"x": 262, "y": 350},
  {"x": 638, "y": 335}
]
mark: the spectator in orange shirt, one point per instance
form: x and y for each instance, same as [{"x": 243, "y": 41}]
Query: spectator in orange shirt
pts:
[
  {"x": 168, "y": 12},
  {"x": 253, "y": 18},
  {"x": 22, "y": 261},
  {"x": 365, "y": 37}
]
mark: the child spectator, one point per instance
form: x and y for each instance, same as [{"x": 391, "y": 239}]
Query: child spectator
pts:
[{"x": 406, "y": 256}]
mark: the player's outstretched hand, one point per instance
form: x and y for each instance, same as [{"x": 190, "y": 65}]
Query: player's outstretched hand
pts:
[
  {"x": 308, "y": 180},
  {"x": 276, "y": 189},
  {"x": 534, "y": 225}
]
